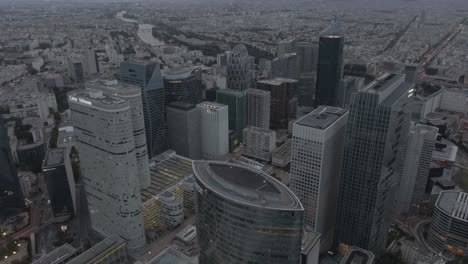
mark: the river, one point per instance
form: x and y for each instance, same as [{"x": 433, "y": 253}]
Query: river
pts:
[{"x": 145, "y": 31}]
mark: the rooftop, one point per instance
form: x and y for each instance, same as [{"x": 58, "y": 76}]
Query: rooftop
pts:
[
  {"x": 187, "y": 234},
  {"x": 105, "y": 247},
  {"x": 277, "y": 81},
  {"x": 58, "y": 255},
  {"x": 181, "y": 73},
  {"x": 171, "y": 256},
  {"x": 54, "y": 157},
  {"x": 454, "y": 204},
  {"x": 356, "y": 255},
  {"x": 181, "y": 105},
  {"x": 211, "y": 105},
  {"x": 113, "y": 87},
  {"x": 245, "y": 185},
  {"x": 165, "y": 174},
  {"x": 309, "y": 240},
  {"x": 322, "y": 117},
  {"x": 96, "y": 98},
  {"x": 257, "y": 91}
]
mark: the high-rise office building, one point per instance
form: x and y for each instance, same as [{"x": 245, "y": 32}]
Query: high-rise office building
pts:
[
  {"x": 350, "y": 85},
  {"x": 10, "y": 188},
  {"x": 91, "y": 60},
  {"x": 307, "y": 56},
  {"x": 283, "y": 101},
  {"x": 245, "y": 216},
  {"x": 417, "y": 157},
  {"x": 376, "y": 128},
  {"x": 132, "y": 94},
  {"x": 183, "y": 85},
  {"x": 449, "y": 227},
  {"x": 235, "y": 100},
  {"x": 183, "y": 126},
  {"x": 306, "y": 89},
  {"x": 316, "y": 159},
  {"x": 105, "y": 141},
  {"x": 60, "y": 183},
  {"x": 214, "y": 130},
  {"x": 286, "y": 46},
  {"x": 329, "y": 70},
  {"x": 238, "y": 68},
  {"x": 259, "y": 143},
  {"x": 147, "y": 75},
  {"x": 75, "y": 68},
  {"x": 258, "y": 108},
  {"x": 286, "y": 66}
]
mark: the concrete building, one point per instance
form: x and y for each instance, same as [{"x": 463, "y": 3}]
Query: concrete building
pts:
[
  {"x": 417, "y": 155},
  {"x": 310, "y": 250},
  {"x": 286, "y": 66},
  {"x": 281, "y": 157},
  {"x": 235, "y": 100},
  {"x": 60, "y": 183},
  {"x": 377, "y": 126},
  {"x": 449, "y": 227},
  {"x": 112, "y": 249},
  {"x": 316, "y": 159},
  {"x": 356, "y": 255},
  {"x": 172, "y": 209},
  {"x": 60, "y": 255},
  {"x": 283, "y": 101},
  {"x": 184, "y": 131},
  {"x": 132, "y": 94},
  {"x": 76, "y": 68},
  {"x": 214, "y": 130},
  {"x": 183, "y": 84},
  {"x": 238, "y": 69},
  {"x": 350, "y": 85},
  {"x": 147, "y": 76},
  {"x": 234, "y": 200},
  {"x": 329, "y": 70},
  {"x": 258, "y": 108},
  {"x": 92, "y": 62},
  {"x": 187, "y": 240},
  {"x": 259, "y": 143},
  {"x": 105, "y": 141}
]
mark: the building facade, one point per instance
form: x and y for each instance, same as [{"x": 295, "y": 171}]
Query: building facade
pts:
[
  {"x": 183, "y": 84},
  {"x": 245, "y": 216},
  {"x": 259, "y": 143},
  {"x": 315, "y": 172},
  {"x": 112, "y": 249},
  {"x": 214, "y": 130},
  {"x": 60, "y": 183},
  {"x": 184, "y": 131},
  {"x": 286, "y": 66},
  {"x": 258, "y": 108},
  {"x": 147, "y": 76},
  {"x": 105, "y": 142},
  {"x": 235, "y": 100},
  {"x": 238, "y": 68},
  {"x": 417, "y": 157},
  {"x": 377, "y": 126},
  {"x": 283, "y": 101},
  {"x": 75, "y": 68},
  {"x": 329, "y": 70}
]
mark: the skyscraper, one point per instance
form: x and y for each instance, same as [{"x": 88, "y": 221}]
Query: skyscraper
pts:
[
  {"x": 58, "y": 175},
  {"x": 316, "y": 159},
  {"x": 147, "y": 75},
  {"x": 183, "y": 125},
  {"x": 184, "y": 85},
  {"x": 132, "y": 94},
  {"x": 259, "y": 143},
  {"x": 238, "y": 68},
  {"x": 104, "y": 139},
  {"x": 10, "y": 188},
  {"x": 214, "y": 130},
  {"x": 283, "y": 101},
  {"x": 417, "y": 156},
  {"x": 307, "y": 56},
  {"x": 329, "y": 70},
  {"x": 75, "y": 68},
  {"x": 258, "y": 108},
  {"x": 376, "y": 127},
  {"x": 306, "y": 89},
  {"x": 286, "y": 66},
  {"x": 235, "y": 100},
  {"x": 245, "y": 216}
]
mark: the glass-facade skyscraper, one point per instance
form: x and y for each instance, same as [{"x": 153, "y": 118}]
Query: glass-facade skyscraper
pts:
[
  {"x": 10, "y": 189},
  {"x": 183, "y": 85},
  {"x": 147, "y": 75},
  {"x": 376, "y": 128},
  {"x": 245, "y": 216},
  {"x": 238, "y": 69},
  {"x": 235, "y": 100},
  {"x": 329, "y": 70}
]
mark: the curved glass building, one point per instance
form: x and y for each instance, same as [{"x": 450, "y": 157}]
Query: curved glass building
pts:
[
  {"x": 184, "y": 84},
  {"x": 238, "y": 69},
  {"x": 245, "y": 216}
]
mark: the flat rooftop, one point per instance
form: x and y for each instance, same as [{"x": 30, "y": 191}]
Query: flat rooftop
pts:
[
  {"x": 55, "y": 157},
  {"x": 356, "y": 255},
  {"x": 100, "y": 250},
  {"x": 165, "y": 174},
  {"x": 96, "y": 98},
  {"x": 181, "y": 73},
  {"x": 211, "y": 105},
  {"x": 454, "y": 204},
  {"x": 113, "y": 87},
  {"x": 277, "y": 81},
  {"x": 58, "y": 255},
  {"x": 322, "y": 117},
  {"x": 245, "y": 185}
]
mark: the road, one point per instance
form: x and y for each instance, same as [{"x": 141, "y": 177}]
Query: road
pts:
[{"x": 418, "y": 231}]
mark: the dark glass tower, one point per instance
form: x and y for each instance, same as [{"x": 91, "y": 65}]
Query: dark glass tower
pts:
[
  {"x": 11, "y": 196},
  {"x": 245, "y": 216},
  {"x": 183, "y": 85},
  {"x": 329, "y": 70},
  {"x": 235, "y": 100},
  {"x": 377, "y": 127},
  {"x": 147, "y": 75}
]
